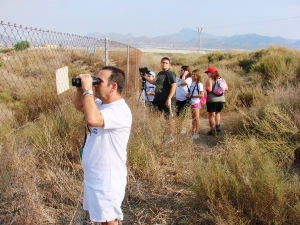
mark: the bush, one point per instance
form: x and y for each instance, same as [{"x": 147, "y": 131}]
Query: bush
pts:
[
  {"x": 258, "y": 54},
  {"x": 246, "y": 64},
  {"x": 236, "y": 186},
  {"x": 215, "y": 56},
  {"x": 20, "y": 46},
  {"x": 277, "y": 67},
  {"x": 246, "y": 99}
]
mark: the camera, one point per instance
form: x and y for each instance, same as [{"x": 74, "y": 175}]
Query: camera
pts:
[
  {"x": 143, "y": 71},
  {"x": 77, "y": 81}
]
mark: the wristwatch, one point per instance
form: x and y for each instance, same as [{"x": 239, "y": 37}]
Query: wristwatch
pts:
[{"x": 90, "y": 92}]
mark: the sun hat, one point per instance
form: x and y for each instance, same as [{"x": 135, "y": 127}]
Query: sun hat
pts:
[
  {"x": 210, "y": 70},
  {"x": 152, "y": 73}
]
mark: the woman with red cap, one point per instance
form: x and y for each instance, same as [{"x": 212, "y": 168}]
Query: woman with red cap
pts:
[{"x": 215, "y": 101}]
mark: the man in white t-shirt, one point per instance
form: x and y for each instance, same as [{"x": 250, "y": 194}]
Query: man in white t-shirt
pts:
[{"x": 104, "y": 155}]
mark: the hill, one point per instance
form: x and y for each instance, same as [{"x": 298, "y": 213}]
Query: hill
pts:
[{"x": 188, "y": 39}]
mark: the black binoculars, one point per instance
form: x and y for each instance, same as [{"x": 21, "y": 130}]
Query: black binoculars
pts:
[{"x": 77, "y": 81}]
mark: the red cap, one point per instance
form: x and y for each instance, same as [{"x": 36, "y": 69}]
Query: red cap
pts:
[{"x": 210, "y": 70}]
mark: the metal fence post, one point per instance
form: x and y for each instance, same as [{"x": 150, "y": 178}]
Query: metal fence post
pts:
[
  {"x": 136, "y": 68},
  {"x": 128, "y": 65},
  {"x": 106, "y": 52}
]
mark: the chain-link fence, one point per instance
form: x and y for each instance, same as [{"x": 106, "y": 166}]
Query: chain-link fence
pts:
[
  {"x": 29, "y": 58},
  {"x": 41, "y": 177}
]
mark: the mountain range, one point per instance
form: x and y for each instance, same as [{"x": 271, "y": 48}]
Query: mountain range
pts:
[{"x": 188, "y": 39}]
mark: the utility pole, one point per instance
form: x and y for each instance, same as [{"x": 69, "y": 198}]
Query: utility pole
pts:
[{"x": 199, "y": 38}]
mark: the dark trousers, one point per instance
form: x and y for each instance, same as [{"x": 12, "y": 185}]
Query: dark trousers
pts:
[
  {"x": 180, "y": 107},
  {"x": 160, "y": 105}
]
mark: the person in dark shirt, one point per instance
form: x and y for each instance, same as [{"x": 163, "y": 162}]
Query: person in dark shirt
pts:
[{"x": 165, "y": 83}]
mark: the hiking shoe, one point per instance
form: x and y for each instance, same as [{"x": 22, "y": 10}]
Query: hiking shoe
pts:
[
  {"x": 195, "y": 136},
  {"x": 211, "y": 132},
  {"x": 218, "y": 128}
]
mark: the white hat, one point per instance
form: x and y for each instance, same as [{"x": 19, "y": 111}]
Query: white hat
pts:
[{"x": 152, "y": 73}]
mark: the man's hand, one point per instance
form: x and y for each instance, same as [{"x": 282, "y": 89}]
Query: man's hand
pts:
[
  {"x": 86, "y": 81},
  {"x": 168, "y": 102}
]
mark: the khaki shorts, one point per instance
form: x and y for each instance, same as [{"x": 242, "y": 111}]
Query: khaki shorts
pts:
[{"x": 103, "y": 205}]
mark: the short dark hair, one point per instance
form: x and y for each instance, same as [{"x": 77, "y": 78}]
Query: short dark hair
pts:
[
  {"x": 165, "y": 58},
  {"x": 187, "y": 68},
  {"x": 117, "y": 75}
]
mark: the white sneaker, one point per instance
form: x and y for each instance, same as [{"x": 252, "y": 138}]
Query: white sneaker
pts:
[{"x": 195, "y": 136}]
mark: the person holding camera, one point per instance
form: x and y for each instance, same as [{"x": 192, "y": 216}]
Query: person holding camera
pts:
[
  {"x": 104, "y": 155},
  {"x": 150, "y": 89},
  {"x": 165, "y": 88},
  {"x": 183, "y": 83}
]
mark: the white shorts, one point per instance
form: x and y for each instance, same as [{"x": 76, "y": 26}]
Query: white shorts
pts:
[{"x": 103, "y": 206}]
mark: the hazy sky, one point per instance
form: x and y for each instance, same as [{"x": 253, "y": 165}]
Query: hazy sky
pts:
[{"x": 154, "y": 18}]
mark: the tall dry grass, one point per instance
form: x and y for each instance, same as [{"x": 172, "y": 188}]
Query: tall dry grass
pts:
[
  {"x": 249, "y": 177},
  {"x": 41, "y": 132},
  {"x": 252, "y": 178},
  {"x": 243, "y": 184},
  {"x": 41, "y": 176}
]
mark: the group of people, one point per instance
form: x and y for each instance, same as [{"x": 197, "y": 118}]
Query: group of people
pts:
[
  {"x": 188, "y": 91},
  {"x": 109, "y": 120}
]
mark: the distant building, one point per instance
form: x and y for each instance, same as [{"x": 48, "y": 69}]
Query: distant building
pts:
[{"x": 49, "y": 46}]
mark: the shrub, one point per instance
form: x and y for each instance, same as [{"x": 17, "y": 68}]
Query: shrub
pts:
[
  {"x": 5, "y": 97},
  {"x": 237, "y": 184},
  {"x": 257, "y": 55},
  {"x": 215, "y": 56},
  {"x": 246, "y": 64},
  {"x": 246, "y": 99},
  {"x": 277, "y": 67},
  {"x": 20, "y": 46}
]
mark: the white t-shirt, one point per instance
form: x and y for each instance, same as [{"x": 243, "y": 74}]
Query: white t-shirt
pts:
[
  {"x": 104, "y": 154},
  {"x": 182, "y": 90},
  {"x": 195, "y": 91}
]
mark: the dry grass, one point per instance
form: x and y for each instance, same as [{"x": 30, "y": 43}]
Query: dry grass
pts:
[{"x": 246, "y": 175}]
